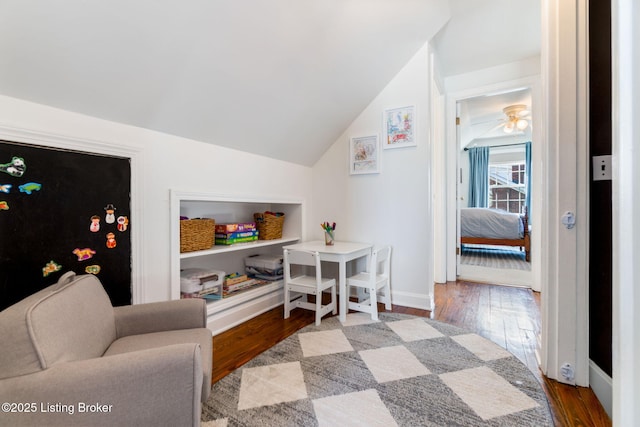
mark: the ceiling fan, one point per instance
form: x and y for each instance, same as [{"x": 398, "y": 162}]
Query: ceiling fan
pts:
[{"x": 518, "y": 117}]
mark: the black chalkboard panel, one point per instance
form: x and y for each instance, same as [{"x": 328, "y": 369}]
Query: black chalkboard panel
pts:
[{"x": 62, "y": 211}]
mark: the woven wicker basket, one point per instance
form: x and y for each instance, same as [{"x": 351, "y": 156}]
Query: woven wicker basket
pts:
[
  {"x": 196, "y": 234},
  {"x": 269, "y": 225}
]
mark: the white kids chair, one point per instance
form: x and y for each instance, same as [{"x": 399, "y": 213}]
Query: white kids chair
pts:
[
  {"x": 373, "y": 281},
  {"x": 306, "y": 285}
]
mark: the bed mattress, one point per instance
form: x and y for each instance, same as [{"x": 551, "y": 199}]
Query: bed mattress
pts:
[{"x": 490, "y": 224}]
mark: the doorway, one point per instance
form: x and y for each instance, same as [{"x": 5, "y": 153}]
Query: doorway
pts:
[
  {"x": 529, "y": 86},
  {"x": 494, "y": 142}
]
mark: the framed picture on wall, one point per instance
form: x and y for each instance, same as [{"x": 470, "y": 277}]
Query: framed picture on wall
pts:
[
  {"x": 399, "y": 127},
  {"x": 364, "y": 155}
]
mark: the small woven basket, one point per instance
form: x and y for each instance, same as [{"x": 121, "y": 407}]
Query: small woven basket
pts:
[
  {"x": 196, "y": 234},
  {"x": 269, "y": 225}
]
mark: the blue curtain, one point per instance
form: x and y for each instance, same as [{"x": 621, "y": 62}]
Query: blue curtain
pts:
[
  {"x": 478, "y": 177},
  {"x": 527, "y": 172}
]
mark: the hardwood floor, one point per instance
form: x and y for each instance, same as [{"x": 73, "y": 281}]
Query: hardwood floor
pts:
[{"x": 509, "y": 316}]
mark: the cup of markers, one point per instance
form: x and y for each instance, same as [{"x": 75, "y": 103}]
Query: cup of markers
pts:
[{"x": 329, "y": 232}]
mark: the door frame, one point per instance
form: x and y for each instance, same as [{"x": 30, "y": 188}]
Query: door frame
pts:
[
  {"x": 626, "y": 207},
  {"x": 530, "y": 278}
]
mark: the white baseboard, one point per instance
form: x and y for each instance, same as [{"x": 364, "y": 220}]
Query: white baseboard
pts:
[
  {"x": 601, "y": 385},
  {"x": 413, "y": 300},
  {"x": 222, "y": 317},
  {"x": 220, "y": 321}
]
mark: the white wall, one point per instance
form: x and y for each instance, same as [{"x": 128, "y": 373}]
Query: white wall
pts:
[
  {"x": 493, "y": 75},
  {"x": 164, "y": 162},
  {"x": 394, "y": 206}
]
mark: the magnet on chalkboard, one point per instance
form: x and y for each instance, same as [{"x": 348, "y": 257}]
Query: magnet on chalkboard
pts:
[
  {"x": 5, "y": 188},
  {"x": 30, "y": 187},
  {"x": 111, "y": 240},
  {"x": 95, "y": 224},
  {"x": 110, "y": 218},
  {"x": 92, "y": 269},
  {"x": 4, "y": 206},
  {"x": 50, "y": 267},
  {"x": 16, "y": 167},
  {"x": 84, "y": 254},
  {"x": 123, "y": 222}
]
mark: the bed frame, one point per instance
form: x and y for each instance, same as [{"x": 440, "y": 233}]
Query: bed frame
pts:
[{"x": 524, "y": 242}]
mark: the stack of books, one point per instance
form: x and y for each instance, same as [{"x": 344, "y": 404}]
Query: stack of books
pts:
[
  {"x": 205, "y": 293},
  {"x": 228, "y": 234},
  {"x": 236, "y": 282}
]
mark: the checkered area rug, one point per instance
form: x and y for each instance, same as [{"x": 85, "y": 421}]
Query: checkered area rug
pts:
[{"x": 400, "y": 371}]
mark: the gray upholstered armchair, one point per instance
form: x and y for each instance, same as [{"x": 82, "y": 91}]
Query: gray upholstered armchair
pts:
[{"x": 67, "y": 357}]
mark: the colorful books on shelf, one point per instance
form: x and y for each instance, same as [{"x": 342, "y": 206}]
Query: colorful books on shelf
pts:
[
  {"x": 238, "y": 282},
  {"x": 236, "y": 237},
  {"x": 235, "y": 227},
  {"x": 210, "y": 293},
  {"x": 233, "y": 278}
]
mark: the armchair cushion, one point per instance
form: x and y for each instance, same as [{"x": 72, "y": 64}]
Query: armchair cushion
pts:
[
  {"x": 160, "y": 316},
  {"x": 71, "y": 320},
  {"x": 201, "y": 336}
]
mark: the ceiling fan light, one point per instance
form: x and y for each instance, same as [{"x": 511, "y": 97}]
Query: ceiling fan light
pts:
[
  {"x": 508, "y": 128},
  {"x": 522, "y": 124}
]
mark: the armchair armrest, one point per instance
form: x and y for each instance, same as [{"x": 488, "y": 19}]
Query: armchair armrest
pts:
[
  {"x": 160, "y": 316},
  {"x": 160, "y": 386}
]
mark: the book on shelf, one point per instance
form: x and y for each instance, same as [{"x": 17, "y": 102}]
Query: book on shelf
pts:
[
  {"x": 242, "y": 286},
  {"x": 237, "y": 234},
  {"x": 235, "y": 227},
  {"x": 237, "y": 240},
  {"x": 214, "y": 292},
  {"x": 212, "y": 296},
  {"x": 234, "y": 278}
]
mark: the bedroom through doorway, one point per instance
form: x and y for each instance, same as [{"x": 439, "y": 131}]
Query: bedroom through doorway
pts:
[{"x": 494, "y": 187}]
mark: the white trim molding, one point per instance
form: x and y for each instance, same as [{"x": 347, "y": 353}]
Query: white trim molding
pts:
[
  {"x": 565, "y": 301},
  {"x": 626, "y": 210},
  {"x": 412, "y": 299},
  {"x": 28, "y": 136},
  {"x": 600, "y": 383}
]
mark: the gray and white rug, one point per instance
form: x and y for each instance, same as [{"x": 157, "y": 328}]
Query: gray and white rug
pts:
[{"x": 402, "y": 370}]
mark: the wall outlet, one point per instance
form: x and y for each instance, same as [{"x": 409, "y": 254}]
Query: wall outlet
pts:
[{"x": 601, "y": 168}]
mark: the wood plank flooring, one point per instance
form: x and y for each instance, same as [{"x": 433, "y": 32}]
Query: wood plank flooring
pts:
[{"x": 509, "y": 316}]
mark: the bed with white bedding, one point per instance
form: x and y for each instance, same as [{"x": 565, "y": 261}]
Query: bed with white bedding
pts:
[{"x": 484, "y": 226}]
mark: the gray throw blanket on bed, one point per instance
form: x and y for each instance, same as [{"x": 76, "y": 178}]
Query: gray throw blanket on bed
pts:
[{"x": 490, "y": 223}]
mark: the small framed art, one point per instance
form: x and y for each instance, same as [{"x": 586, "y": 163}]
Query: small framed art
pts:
[
  {"x": 363, "y": 155},
  {"x": 399, "y": 127}
]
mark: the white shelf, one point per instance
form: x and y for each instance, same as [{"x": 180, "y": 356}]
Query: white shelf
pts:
[
  {"x": 228, "y": 312},
  {"x": 214, "y": 306},
  {"x": 220, "y": 249}
]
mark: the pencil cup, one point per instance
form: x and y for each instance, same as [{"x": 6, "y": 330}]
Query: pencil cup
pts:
[{"x": 328, "y": 238}]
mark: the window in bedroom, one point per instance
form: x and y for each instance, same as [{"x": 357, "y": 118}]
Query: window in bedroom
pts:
[{"x": 507, "y": 190}]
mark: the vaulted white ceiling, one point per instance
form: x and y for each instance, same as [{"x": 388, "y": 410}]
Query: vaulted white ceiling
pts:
[{"x": 281, "y": 78}]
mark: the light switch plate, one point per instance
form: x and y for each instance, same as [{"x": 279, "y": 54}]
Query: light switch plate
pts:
[{"x": 602, "y": 168}]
